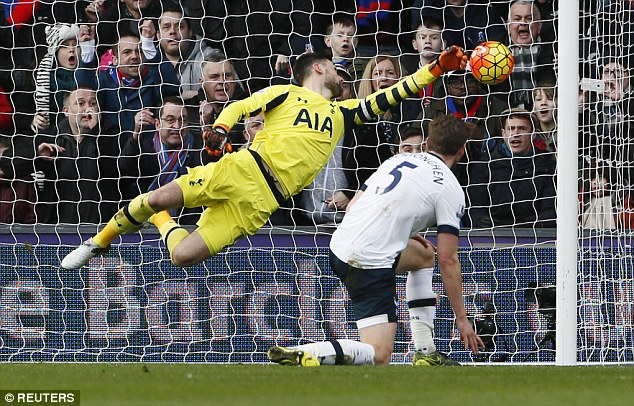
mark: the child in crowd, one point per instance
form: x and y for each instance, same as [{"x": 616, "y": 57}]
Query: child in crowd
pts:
[
  {"x": 341, "y": 39},
  {"x": 545, "y": 111},
  {"x": 56, "y": 73},
  {"x": 428, "y": 42}
]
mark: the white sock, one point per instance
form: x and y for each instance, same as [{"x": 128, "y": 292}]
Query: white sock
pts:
[
  {"x": 421, "y": 300},
  {"x": 351, "y": 352}
]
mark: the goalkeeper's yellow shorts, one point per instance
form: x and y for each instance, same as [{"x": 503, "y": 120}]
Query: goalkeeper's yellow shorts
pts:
[{"x": 237, "y": 197}]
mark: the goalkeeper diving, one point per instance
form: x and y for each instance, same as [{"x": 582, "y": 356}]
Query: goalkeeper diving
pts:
[{"x": 242, "y": 190}]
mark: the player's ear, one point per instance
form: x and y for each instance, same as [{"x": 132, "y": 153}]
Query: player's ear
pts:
[
  {"x": 327, "y": 40},
  {"x": 461, "y": 151}
]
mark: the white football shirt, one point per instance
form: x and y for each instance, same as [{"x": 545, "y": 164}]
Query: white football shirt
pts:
[{"x": 408, "y": 193}]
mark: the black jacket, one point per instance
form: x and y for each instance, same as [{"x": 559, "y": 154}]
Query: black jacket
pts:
[
  {"x": 518, "y": 191},
  {"x": 82, "y": 184}
]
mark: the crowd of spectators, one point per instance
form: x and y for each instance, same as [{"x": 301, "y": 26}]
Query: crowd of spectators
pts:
[{"x": 102, "y": 100}]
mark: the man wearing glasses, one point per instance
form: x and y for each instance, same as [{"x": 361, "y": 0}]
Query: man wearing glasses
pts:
[{"x": 160, "y": 149}]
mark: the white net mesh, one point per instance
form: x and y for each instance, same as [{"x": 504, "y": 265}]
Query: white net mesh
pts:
[{"x": 277, "y": 287}]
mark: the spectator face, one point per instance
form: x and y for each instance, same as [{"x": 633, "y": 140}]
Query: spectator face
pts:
[
  {"x": 82, "y": 110},
  {"x": 128, "y": 58},
  {"x": 346, "y": 86},
  {"x": 544, "y": 107},
  {"x": 384, "y": 75},
  {"x": 461, "y": 86},
  {"x": 219, "y": 81},
  {"x": 412, "y": 144},
  {"x": 518, "y": 135},
  {"x": 172, "y": 125},
  {"x": 332, "y": 80},
  {"x": 68, "y": 54},
  {"x": 616, "y": 81},
  {"x": 346, "y": 91},
  {"x": 253, "y": 126},
  {"x": 428, "y": 42},
  {"x": 341, "y": 41},
  {"x": 522, "y": 28},
  {"x": 599, "y": 186},
  {"x": 174, "y": 34}
]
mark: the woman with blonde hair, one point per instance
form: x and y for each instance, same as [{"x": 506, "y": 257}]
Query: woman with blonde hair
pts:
[
  {"x": 375, "y": 142},
  {"x": 380, "y": 72}
]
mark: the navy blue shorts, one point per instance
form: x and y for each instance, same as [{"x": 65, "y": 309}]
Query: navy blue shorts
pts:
[{"x": 372, "y": 291}]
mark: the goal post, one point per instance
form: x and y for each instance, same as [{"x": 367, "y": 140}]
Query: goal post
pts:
[{"x": 567, "y": 180}]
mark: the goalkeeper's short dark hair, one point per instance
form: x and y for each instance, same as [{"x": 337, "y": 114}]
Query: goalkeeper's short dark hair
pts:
[
  {"x": 303, "y": 65},
  {"x": 447, "y": 134}
]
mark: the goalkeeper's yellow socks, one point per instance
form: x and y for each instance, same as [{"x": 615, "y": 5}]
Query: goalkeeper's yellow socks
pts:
[
  {"x": 171, "y": 233},
  {"x": 130, "y": 218}
]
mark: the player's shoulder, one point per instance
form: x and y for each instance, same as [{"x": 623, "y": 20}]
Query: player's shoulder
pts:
[{"x": 276, "y": 89}]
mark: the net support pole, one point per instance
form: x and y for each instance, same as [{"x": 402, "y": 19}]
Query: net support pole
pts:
[{"x": 567, "y": 172}]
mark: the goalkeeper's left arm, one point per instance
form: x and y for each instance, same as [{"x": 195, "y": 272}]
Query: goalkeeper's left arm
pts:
[
  {"x": 379, "y": 102},
  {"x": 215, "y": 139}
]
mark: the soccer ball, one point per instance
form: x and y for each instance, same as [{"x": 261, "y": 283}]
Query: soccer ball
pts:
[{"x": 491, "y": 62}]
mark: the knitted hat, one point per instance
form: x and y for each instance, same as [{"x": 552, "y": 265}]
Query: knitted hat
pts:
[
  {"x": 55, "y": 35},
  {"x": 58, "y": 33}
]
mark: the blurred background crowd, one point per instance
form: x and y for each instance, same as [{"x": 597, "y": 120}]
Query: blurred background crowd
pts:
[{"x": 102, "y": 100}]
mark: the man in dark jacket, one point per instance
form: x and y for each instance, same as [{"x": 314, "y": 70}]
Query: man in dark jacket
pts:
[
  {"x": 82, "y": 183},
  {"x": 17, "y": 193},
  {"x": 130, "y": 85},
  {"x": 155, "y": 157},
  {"x": 515, "y": 186}
]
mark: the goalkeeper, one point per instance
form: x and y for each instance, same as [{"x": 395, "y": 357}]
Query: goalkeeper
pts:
[{"x": 241, "y": 190}]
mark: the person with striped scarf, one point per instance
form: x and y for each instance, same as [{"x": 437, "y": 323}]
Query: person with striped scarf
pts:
[{"x": 160, "y": 148}]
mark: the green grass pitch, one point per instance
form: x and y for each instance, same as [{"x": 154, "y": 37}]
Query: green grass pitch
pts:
[{"x": 271, "y": 385}]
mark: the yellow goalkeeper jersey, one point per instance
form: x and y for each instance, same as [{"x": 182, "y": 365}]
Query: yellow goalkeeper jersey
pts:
[{"x": 302, "y": 128}]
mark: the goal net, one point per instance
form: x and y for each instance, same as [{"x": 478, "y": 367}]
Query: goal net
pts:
[{"x": 276, "y": 287}]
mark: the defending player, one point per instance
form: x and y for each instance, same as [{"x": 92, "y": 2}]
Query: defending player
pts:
[
  {"x": 378, "y": 238},
  {"x": 241, "y": 190}
]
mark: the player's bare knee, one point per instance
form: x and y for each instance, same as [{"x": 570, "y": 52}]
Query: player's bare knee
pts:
[
  {"x": 428, "y": 257},
  {"x": 423, "y": 257},
  {"x": 180, "y": 258},
  {"x": 382, "y": 355},
  {"x": 155, "y": 200}
]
